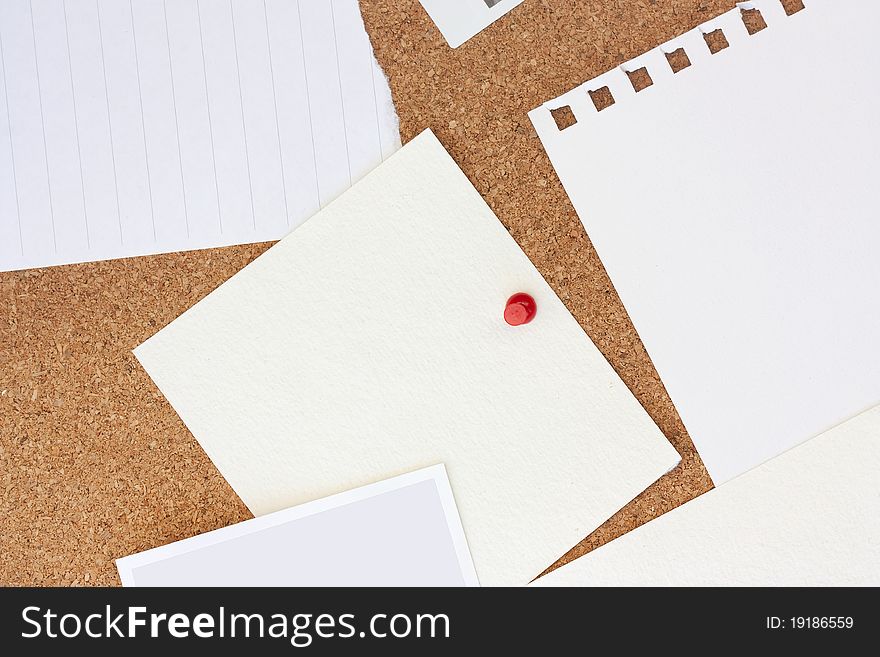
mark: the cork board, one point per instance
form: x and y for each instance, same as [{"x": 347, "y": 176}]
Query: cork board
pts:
[{"x": 94, "y": 463}]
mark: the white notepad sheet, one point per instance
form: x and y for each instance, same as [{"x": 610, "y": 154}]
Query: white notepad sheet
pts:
[
  {"x": 806, "y": 518},
  {"x": 371, "y": 341},
  {"x": 134, "y": 127},
  {"x": 459, "y": 20},
  {"x": 736, "y": 208},
  {"x": 403, "y": 531}
]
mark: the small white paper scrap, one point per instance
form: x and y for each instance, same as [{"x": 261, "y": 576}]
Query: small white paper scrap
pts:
[
  {"x": 403, "y": 531},
  {"x": 806, "y": 518},
  {"x": 371, "y": 341},
  {"x": 459, "y": 20},
  {"x": 134, "y": 127}
]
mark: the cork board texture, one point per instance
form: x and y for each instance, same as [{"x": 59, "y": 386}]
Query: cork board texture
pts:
[{"x": 94, "y": 463}]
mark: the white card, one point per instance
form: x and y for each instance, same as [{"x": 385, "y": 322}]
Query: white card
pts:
[
  {"x": 133, "y": 127},
  {"x": 371, "y": 342},
  {"x": 806, "y": 518},
  {"x": 403, "y": 531},
  {"x": 459, "y": 20},
  {"x": 735, "y": 206}
]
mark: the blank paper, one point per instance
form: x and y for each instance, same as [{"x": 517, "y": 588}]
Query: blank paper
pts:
[
  {"x": 736, "y": 208},
  {"x": 371, "y": 341},
  {"x": 403, "y": 531},
  {"x": 134, "y": 127}
]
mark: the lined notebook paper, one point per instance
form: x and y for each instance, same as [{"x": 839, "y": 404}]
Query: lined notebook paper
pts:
[
  {"x": 133, "y": 127},
  {"x": 736, "y": 208}
]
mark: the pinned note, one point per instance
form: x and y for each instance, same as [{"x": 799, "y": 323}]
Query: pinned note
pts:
[{"x": 372, "y": 341}]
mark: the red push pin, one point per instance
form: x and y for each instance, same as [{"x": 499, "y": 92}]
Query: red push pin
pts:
[{"x": 521, "y": 309}]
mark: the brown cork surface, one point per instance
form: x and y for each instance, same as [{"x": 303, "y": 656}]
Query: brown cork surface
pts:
[{"x": 94, "y": 463}]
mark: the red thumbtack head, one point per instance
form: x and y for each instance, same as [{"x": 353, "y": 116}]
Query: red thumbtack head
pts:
[{"x": 521, "y": 309}]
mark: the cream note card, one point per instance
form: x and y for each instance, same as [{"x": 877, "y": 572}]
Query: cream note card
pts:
[{"x": 371, "y": 342}]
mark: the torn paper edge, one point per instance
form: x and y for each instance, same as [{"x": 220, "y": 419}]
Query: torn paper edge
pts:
[{"x": 655, "y": 61}]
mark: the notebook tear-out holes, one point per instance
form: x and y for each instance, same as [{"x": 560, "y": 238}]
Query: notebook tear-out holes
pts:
[
  {"x": 402, "y": 327},
  {"x": 735, "y": 206}
]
